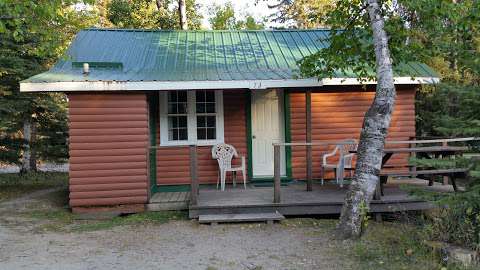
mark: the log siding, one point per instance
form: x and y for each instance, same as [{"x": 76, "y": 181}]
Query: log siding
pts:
[
  {"x": 109, "y": 138},
  {"x": 338, "y": 115},
  {"x": 108, "y": 149}
]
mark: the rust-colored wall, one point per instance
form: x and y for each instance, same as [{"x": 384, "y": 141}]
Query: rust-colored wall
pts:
[
  {"x": 173, "y": 164},
  {"x": 339, "y": 115},
  {"x": 108, "y": 149}
]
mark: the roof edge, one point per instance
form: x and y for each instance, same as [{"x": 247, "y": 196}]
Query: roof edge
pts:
[
  {"x": 201, "y": 30},
  {"x": 194, "y": 85}
]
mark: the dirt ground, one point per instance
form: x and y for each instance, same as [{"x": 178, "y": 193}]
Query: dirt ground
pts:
[{"x": 178, "y": 244}]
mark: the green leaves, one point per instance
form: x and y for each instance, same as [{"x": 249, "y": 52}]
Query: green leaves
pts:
[
  {"x": 224, "y": 18},
  {"x": 34, "y": 34},
  {"x": 444, "y": 34},
  {"x": 146, "y": 14}
]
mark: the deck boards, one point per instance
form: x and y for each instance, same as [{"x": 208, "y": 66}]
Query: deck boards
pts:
[
  {"x": 169, "y": 201},
  {"x": 292, "y": 194},
  {"x": 327, "y": 199},
  {"x": 230, "y": 218},
  {"x": 295, "y": 200}
]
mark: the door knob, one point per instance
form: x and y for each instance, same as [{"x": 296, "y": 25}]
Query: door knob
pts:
[{"x": 254, "y": 137}]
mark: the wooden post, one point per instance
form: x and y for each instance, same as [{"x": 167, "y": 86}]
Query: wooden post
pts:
[
  {"x": 276, "y": 173},
  {"x": 412, "y": 169},
  {"x": 308, "y": 105},
  {"x": 193, "y": 175},
  {"x": 445, "y": 178}
]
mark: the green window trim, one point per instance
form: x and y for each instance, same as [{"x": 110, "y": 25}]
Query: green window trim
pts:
[
  {"x": 288, "y": 138},
  {"x": 248, "y": 113},
  {"x": 152, "y": 152}
]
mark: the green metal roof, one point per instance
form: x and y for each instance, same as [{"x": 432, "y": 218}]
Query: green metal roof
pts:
[{"x": 159, "y": 55}]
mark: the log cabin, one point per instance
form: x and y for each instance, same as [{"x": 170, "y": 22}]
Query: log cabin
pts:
[{"x": 138, "y": 98}]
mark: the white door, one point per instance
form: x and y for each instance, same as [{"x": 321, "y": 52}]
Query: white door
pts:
[{"x": 267, "y": 128}]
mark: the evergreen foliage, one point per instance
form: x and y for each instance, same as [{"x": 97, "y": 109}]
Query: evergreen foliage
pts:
[{"x": 33, "y": 34}]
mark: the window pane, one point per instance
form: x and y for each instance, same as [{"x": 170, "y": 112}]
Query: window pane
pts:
[
  {"x": 182, "y": 108},
  {"x": 200, "y": 107},
  {"x": 172, "y": 108},
  {"x": 173, "y": 134},
  {"x": 177, "y": 128},
  {"x": 201, "y": 121},
  {"x": 210, "y": 96},
  {"x": 172, "y": 122},
  {"x": 200, "y": 96},
  {"x": 210, "y": 121},
  {"x": 211, "y": 134},
  {"x": 182, "y": 134},
  {"x": 182, "y": 121},
  {"x": 172, "y": 96},
  {"x": 182, "y": 96},
  {"x": 210, "y": 107},
  {"x": 201, "y": 133}
]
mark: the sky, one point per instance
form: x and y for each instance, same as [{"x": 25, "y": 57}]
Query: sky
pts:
[{"x": 242, "y": 8}]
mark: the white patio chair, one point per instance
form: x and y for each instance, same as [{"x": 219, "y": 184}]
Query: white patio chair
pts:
[
  {"x": 224, "y": 154},
  {"x": 345, "y": 156}
]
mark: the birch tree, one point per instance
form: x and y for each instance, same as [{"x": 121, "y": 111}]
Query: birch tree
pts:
[
  {"x": 374, "y": 131},
  {"x": 359, "y": 43},
  {"x": 182, "y": 14}
]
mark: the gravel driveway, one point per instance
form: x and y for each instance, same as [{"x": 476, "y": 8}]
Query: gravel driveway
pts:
[{"x": 294, "y": 244}]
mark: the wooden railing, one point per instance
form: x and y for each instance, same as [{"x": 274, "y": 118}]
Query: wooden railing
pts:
[
  {"x": 277, "y": 166},
  {"x": 444, "y": 142},
  {"x": 194, "y": 184},
  {"x": 309, "y": 180}
]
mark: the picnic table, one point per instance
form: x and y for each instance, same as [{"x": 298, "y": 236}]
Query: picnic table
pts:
[
  {"x": 424, "y": 152},
  {"x": 427, "y": 152}
]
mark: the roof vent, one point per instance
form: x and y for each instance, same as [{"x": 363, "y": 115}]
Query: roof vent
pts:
[{"x": 86, "y": 68}]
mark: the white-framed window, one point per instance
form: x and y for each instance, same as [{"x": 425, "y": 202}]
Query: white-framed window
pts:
[{"x": 191, "y": 117}]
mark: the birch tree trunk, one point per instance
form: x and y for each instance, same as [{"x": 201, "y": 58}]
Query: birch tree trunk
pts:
[
  {"x": 159, "y": 4},
  {"x": 182, "y": 11},
  {"x": 372, "y": 137}
]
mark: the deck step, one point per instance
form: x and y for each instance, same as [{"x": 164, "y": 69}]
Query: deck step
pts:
[{"x": 229, "y": 218}]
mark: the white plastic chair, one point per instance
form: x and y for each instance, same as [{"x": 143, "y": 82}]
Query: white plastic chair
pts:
[
  {"x": 224, "y": 154},
  {"x": 345, "y": 157}
]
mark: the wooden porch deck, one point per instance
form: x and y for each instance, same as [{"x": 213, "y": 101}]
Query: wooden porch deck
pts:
[{"x": 296, "y": 200}]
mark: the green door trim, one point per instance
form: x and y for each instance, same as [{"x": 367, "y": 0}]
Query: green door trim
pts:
[
  {"x": 287, "y": 131},
  {"x": 248, "y": 122},
  {"x": 152, "y": 152}
]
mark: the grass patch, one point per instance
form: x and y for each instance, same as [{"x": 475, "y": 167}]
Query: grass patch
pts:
[
  {"x": 134, "y": 219},
  {"x": 62, "y": 220},
  {"x": 395, "y": 246},
  {"x": 13, "y": 185}
]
